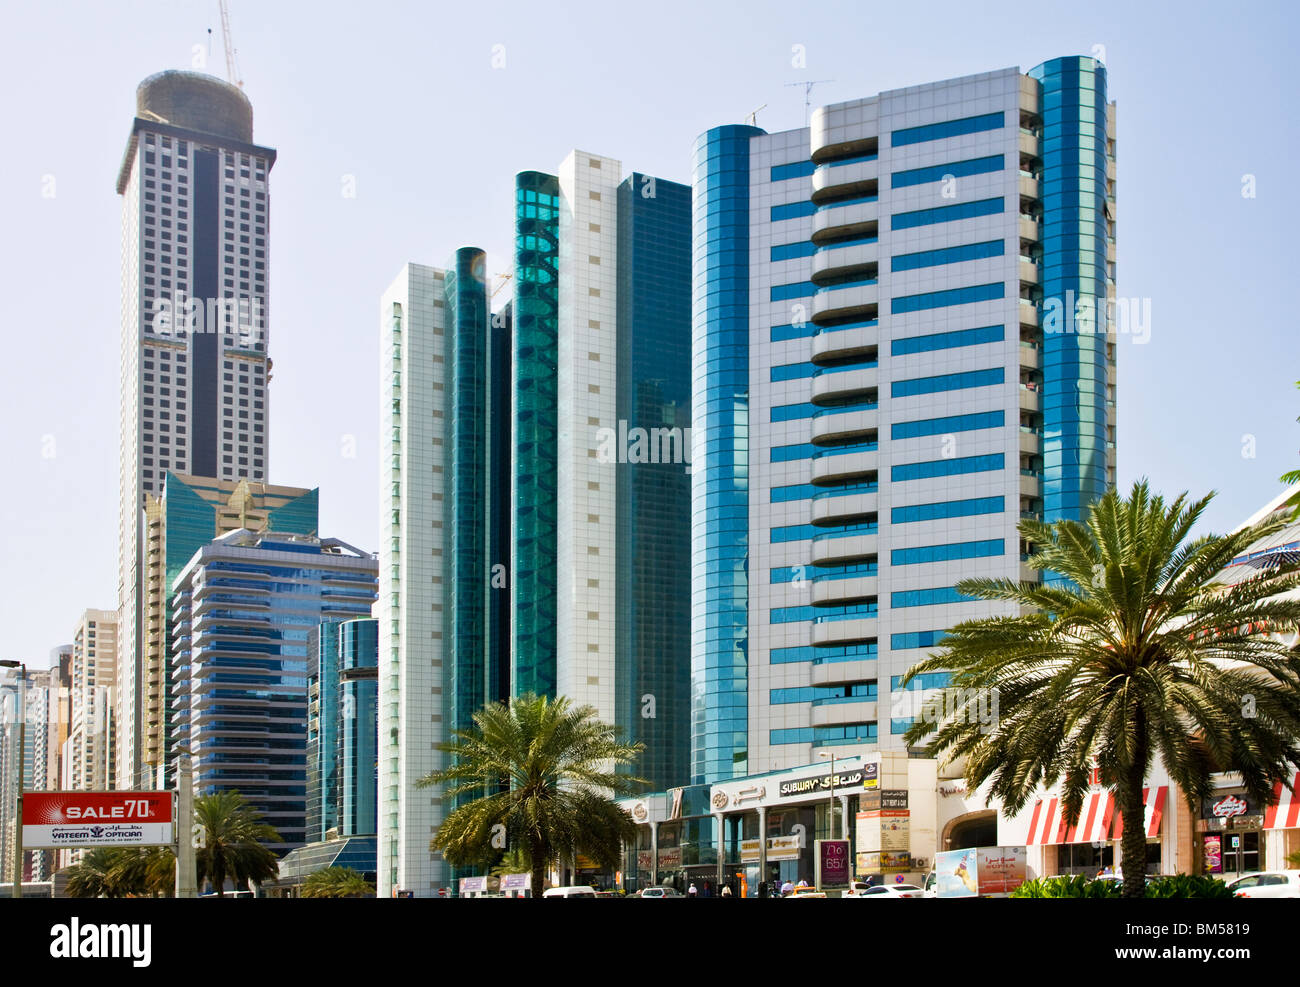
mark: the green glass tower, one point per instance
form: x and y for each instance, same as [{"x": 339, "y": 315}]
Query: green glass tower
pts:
[
  {"x": 533, "y": 522},
  {"x": 466, "y": 475}
]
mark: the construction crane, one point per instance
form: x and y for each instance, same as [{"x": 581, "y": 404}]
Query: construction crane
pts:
[
  {"x": 232, "y": 69},
  {"x": 807, "y": 94},
  {"x": 752, "y": 119},
  {"x": 505, "y": 279}
]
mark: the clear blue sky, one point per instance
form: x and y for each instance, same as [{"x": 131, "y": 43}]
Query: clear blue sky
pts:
[{"x": 405, "y": 98}]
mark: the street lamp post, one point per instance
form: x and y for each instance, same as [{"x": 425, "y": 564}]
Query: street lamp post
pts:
[{"x": 22, "y": 750}]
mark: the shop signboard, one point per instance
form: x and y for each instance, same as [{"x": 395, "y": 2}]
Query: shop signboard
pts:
[
  {"x": 778, "y": 848},
  {"x": 670, "y": 858},
  {"x": 516, "y": 882},
  {"x": 832, "y": 864},
  {"x": 93, "y": 819},
  {"x": 840, "y": 781},
  {"x": 895, "y": 830},
  {"x": 893, "y": 799},
  {"x": 645, "y": 860},
  {"x": 870, "y": 776},
  {"x": 1225, "y": 806},
  {"x": 895, "y": 861},
  {"x": 473, "y": 885}
]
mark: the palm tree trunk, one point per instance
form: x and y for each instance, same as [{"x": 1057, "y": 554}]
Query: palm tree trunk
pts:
[
  {"x": 1133, "y": 843},
  {"x": 538, "y": 862}
]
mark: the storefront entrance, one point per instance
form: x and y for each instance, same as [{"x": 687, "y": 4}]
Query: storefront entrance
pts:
[{"x": 1231, "y": 853}]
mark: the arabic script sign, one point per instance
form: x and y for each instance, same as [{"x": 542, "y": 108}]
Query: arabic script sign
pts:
[{"x": 82, "y": 819}]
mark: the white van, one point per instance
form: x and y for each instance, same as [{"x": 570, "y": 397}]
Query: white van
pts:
[{"x": 574, "y": 891}]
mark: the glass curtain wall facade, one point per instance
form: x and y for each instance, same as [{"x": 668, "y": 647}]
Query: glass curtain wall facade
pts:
[
  {"x": 535, "y": 439},
  {"x": 358, "y": 647},
  {"x": 873, "y": 295},
  {"x": 1077, "y": 232},
  {"x": 720, "y": 460},
  {"x": 323, "y": 738},
  {"x": 244, "y": 607},
  {"x": 653, "y": 498},
  {"x": 500, "y": 418},
  {"x": 466, "y": 474}
]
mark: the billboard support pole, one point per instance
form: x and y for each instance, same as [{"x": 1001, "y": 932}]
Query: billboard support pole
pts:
[
  {"x": 18, "y": 843},
  {"x": 186, "y": 875}
]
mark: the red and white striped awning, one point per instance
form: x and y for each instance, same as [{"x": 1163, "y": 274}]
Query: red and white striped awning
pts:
[
  {"x": 1098, "y": 816},
  {"x": 1284, "y": 813}
]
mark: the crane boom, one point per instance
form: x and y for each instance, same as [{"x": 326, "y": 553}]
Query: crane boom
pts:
[{"x": 232, "y": 70}]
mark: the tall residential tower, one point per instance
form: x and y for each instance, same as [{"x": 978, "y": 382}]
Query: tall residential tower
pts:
[{"x": 194, "y": 369}]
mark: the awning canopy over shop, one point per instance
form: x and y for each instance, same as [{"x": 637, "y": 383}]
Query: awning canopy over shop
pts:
[
  {"x": 1284, "y": 813},
  {"x": 1099, "y": 820}
]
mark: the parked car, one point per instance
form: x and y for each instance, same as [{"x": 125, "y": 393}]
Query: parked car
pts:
[
  {"x": 573, "y": 891},
  {"x": 1267, "y": 884},
  {"x": 891, "y": 891},
  {"x": 661, "y": 893}
]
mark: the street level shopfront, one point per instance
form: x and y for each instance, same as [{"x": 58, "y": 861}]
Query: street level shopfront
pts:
[
  {"x": 753, "y": 832},
  {"x": 1227, "y": 835}
]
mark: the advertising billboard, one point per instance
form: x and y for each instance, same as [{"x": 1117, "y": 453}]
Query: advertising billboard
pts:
[
  {"x": 90, "y": 819},
  {"x": 833, "y": 864}
]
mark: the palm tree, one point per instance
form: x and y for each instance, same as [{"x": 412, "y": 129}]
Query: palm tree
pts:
[
  {"x": 233, "y": 836},
  {"x": 1136, "y": 655},
  {"x": 546, "y": 767},
  {"x": 337, "y": 882},
  {"x": 513, "y": 861},
  {"x": 143, "y": 871},
  {"x": 89, "y": 877}
]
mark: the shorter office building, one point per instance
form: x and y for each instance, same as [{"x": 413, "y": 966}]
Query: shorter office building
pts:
[
  {"x": 357, "y": 852},
  {"x": 342, "y": 729},
  {"x": 243, "y": 608}
]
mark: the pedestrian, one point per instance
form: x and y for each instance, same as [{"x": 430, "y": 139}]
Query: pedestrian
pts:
[
  {"x": 786, "y": 888},
  {"x": 726, "y": 891},
  {"x": 692, "y": 892}
]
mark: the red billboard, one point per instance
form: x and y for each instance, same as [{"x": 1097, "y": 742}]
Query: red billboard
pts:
[{"x": 82, "y": 819}]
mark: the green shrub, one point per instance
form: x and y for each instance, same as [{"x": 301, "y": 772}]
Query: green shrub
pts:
[
  {"x": 1078, "y": 886},
  {"x": 1081, "y": 886},
  {"x": 1187, "y": 886}
]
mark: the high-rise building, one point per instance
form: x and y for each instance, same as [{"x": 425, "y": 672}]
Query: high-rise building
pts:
[
  {"x": 441, "y": 617},
  {"x": 900, "y": 349},
  {"x": 61, "y": 665},
  {"x": 342, "y": 729},
  {"x": 88, "y": 761},
  {"x": 194, "y": 369},
  {"x": 190, "y": 513},
  {"x": 358, "y": 727},
  {"x": 243, "y": 608},
  {"x": 536, "y": 488}
]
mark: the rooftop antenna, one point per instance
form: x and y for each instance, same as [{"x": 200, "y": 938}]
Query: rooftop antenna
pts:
[
  {"x": 752, "y": 119},
  {"x": 232, "y": 69},
  {"x": 807, "y": 94}
]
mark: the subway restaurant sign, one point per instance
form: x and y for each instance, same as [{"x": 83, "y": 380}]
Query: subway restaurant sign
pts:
[{"x": 88, "y": 819}]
